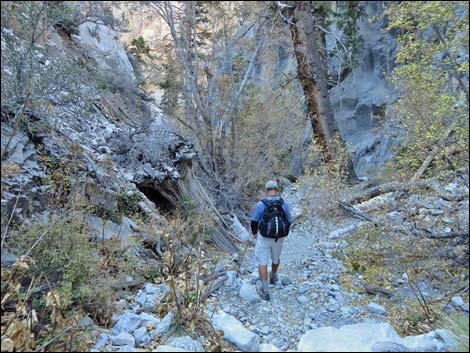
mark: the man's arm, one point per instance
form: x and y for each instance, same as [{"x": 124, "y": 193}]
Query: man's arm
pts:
[
  {"x": 254, "y": 227},
  {"x": 286, "y": 208},
  {"x": 256, "y": 216}
]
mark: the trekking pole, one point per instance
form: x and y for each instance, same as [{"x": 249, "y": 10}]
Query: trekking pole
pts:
[{"x": 243, "y": 256}]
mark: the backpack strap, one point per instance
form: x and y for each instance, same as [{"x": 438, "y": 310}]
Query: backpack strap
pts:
[{"x": 266, "y": 202}]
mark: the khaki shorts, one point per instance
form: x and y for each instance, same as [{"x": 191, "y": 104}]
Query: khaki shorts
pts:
[{"x": 268, "y": 247}]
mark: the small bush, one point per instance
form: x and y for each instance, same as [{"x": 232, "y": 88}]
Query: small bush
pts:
[
  {"x": 458, "y": 324},
  {"x": 63, "y": 276},
  {"x": 59, "y": 175},
  {"x": 128, "y": 204},
  {"x": 64, "y": 253},
  {"x": 187, "y": 275},
  {"x": 105, "y": 213}
]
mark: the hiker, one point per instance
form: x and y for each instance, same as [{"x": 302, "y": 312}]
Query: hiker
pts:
[{"x": 272, "y": 218}]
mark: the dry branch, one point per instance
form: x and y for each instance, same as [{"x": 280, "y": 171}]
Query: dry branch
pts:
[
  {"x": 433, "y": 154},
  {"x": 443, "y": 235}
]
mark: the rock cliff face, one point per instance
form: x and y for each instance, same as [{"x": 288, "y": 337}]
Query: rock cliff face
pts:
[
  {"x": 123, "y": 146},
  {"x": 361, "y": 101}
]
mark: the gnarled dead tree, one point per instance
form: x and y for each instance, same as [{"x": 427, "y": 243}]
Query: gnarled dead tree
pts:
[{"x": 160, "y": 163}]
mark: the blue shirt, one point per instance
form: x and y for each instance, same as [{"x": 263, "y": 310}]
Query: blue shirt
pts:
[{"x": 260, "y": 208}]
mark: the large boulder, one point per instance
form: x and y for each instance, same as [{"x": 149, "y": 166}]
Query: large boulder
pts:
[
  {"x": 370, "y": 337},
  {"x": 240, "y": 231},
  {"x": 235, "y": 332},
  {"x": 349, "y": 338},
  {"x": 101, "y": 44}
]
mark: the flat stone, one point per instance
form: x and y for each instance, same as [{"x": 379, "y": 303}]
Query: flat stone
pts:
[
  {"x": 434, "y": 341},
  {"x": 302, "y": 299},
  {"x": 303, "y": 289},
  {"x": 123, "y": 339},
  {"x": 146, "y": 318},
  {"x": 347, "y": 310},
  {"x": 376, "y": 309},
  {"x": 348, "y": 338},
  {"x": 128, "y": 322},
  {"x": 457, "y": 301},
  {"x": 268, "y": 347},
  {"x": 187, "y": 343},
  {"x": 151, "y": 296},
  {"x": 265, "y": 330},
  {"x": 286, "y": 281},
  {"x": 151, "y": 288}
]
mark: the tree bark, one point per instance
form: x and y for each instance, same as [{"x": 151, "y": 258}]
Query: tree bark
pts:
[{"x": 309, "y": 43}]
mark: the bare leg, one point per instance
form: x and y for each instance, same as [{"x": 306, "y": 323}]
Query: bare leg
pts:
[
  {"x": 263, "y": 272},
  {"x": 275, "y": 266},
  {"x": 263, "y": 291}
]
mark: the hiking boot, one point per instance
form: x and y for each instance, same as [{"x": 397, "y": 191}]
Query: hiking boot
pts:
[
  {"x": 273, "y": 278},
  {"x": 262, "y": 293}
]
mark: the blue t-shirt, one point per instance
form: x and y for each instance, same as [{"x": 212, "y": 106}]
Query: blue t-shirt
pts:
[{"x": 260, "y": 208}]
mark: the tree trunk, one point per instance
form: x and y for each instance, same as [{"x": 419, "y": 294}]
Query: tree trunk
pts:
[{"x": 309, "y": 45}]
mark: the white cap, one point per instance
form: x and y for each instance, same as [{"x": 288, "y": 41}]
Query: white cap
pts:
[{"x": 270, "y": 185}]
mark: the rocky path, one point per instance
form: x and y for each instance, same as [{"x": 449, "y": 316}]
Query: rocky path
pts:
[
  {"x": 309, "y": 309},
  {"x": 308, "y": 294}
]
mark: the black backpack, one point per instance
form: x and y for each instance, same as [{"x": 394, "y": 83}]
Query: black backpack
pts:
[{"x": 273, "y": 224}]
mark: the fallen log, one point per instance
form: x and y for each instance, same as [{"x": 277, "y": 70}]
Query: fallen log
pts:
[
  {"x": 396, "y": 186},
  {"x": 355, "y": 212},
  {"x": 371, "y": 289},
  {"x": 214, "y": 286},
  {"x": 432, "y": 154}
]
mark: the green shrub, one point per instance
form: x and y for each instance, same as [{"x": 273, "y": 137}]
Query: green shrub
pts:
[
  {"x": 64, "y": 253},
  {"x": 105, "y": 213},
  {"x": 128, "y": 204}
]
